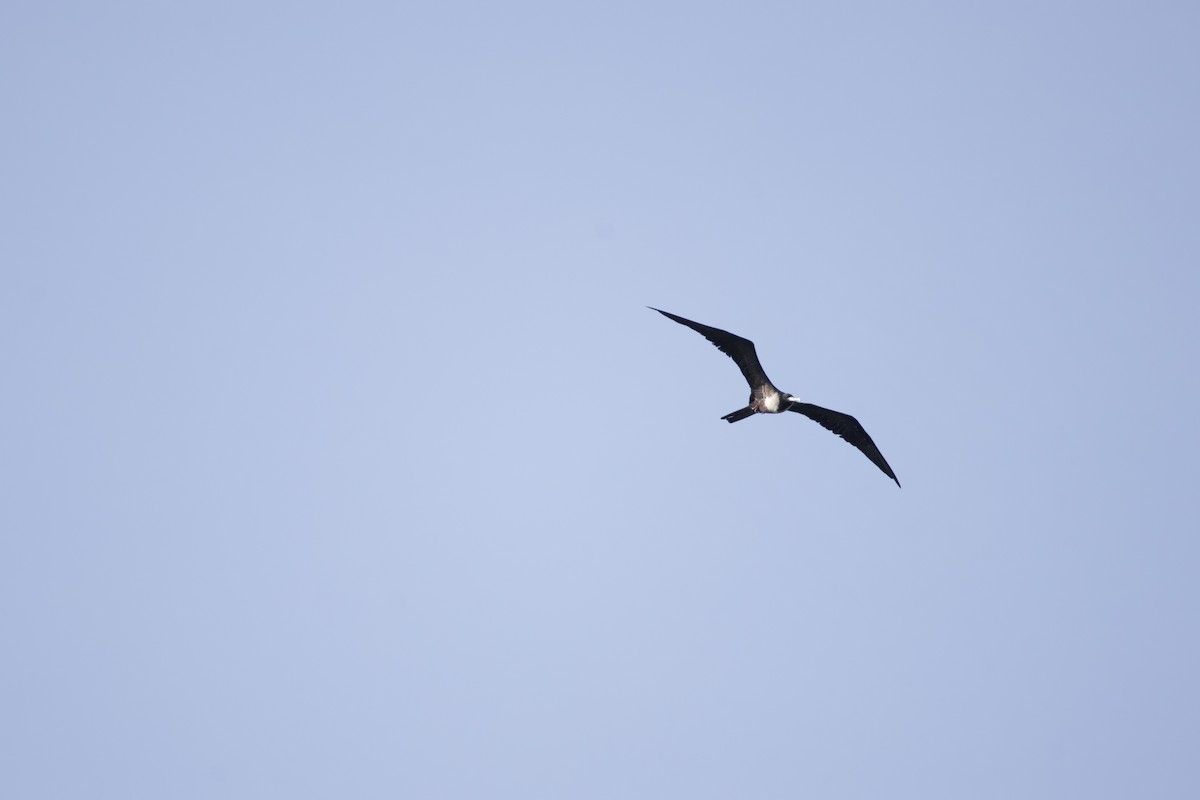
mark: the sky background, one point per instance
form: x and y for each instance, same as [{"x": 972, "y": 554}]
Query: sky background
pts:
[{"x": 342, "y": 458}]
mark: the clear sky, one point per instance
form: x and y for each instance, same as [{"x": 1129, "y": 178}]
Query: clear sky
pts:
[{"x": 342, "y": 457}]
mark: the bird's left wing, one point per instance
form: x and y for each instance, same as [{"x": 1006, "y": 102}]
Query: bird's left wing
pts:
[{"x": 848, "y": 428}]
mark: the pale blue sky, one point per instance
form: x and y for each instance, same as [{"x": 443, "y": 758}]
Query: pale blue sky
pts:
[{"x": 342, "y": 457}]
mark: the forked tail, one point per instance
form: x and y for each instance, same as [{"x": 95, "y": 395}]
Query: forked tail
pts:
[{"x": 740, "y": 414}]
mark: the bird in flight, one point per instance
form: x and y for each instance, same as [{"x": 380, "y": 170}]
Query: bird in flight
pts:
[{"x": 766, "y": 399}]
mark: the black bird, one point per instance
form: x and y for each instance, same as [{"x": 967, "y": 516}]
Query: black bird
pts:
[{"x": 766, "y": 399}]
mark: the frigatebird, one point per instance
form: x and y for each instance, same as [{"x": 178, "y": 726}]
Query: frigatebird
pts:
[{"x": 766, "y": 399}]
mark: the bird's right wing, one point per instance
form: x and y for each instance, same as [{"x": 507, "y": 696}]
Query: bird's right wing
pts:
[
  {"x": 848, "y": 428},
  {"x": 740, "y": 350}
]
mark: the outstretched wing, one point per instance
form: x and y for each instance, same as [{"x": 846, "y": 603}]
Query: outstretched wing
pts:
[
  {"x": 739, "y": 349},
  {"x": 848, "y": 428}
]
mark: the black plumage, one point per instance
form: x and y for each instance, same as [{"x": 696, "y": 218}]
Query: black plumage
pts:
[{"x": 766, "y": 399}]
